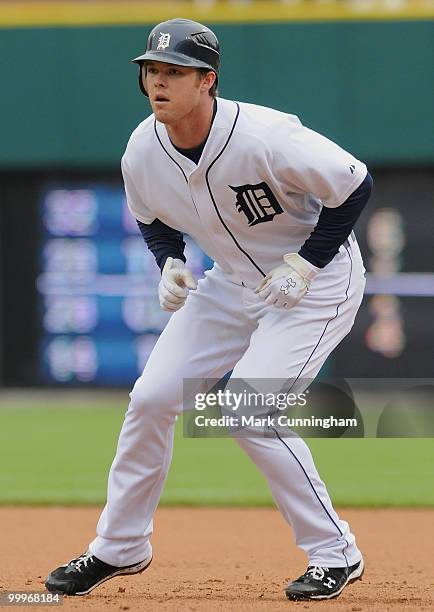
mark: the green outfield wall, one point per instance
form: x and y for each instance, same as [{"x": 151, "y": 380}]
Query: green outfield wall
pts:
[{"x": 69, "y": 95}]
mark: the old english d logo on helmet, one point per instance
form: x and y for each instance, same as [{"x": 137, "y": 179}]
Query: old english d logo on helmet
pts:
[
  {"x": 182, "y": 42},
  {"x": 163, "y": 41}
]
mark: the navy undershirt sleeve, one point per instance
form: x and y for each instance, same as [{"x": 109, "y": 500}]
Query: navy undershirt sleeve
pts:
[
  {"x": 163, "y": 241},
  {"x": 334, "y": 226}
]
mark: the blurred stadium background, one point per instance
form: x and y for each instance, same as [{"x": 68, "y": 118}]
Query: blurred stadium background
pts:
[{"x": 78, "y": 308}]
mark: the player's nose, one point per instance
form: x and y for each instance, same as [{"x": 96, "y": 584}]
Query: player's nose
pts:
[{"x": 160, "y": 80}]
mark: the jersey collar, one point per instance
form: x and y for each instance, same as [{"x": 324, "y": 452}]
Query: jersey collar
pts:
[{"x": 220, "y": 129}]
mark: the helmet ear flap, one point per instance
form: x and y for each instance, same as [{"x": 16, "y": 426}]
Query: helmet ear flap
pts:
[{"x": 142, "y": 78}]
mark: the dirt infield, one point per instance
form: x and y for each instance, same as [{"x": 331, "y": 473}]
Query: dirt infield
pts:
[{"x": 224, "y": 560}]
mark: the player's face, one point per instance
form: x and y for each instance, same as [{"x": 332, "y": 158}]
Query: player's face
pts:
[{"x": 175, "y": 92}]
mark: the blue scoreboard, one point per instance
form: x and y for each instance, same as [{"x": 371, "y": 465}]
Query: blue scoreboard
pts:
[{"x": 97, "y": 287}]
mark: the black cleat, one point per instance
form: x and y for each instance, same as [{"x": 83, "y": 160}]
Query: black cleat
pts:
[
  {"x": 80, "y": 576},
  {"x": 323, "y": 582}
]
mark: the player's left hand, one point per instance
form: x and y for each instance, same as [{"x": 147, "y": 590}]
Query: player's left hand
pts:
[{"x": 285, "y": 285}]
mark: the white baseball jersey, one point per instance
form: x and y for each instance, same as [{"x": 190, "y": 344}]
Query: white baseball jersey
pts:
[{"x": 256, "y": 193}]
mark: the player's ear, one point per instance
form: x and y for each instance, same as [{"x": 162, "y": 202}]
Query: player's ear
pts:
[{"x": 208, "y": 80}]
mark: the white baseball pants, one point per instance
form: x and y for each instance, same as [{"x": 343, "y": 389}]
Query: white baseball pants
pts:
[{"x": 225, "y": 326}]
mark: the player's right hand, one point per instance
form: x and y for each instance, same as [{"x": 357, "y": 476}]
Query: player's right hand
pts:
[{"x": 175, "y": 282}]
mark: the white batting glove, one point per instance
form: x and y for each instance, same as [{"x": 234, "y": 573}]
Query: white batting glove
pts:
[
  {"x": 175, "y": 282},
  {"x": 284, "y": 286}
]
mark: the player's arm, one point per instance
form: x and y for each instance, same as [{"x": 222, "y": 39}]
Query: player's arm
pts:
[
  {"x": 335, "y": 225},
  {"x": 163, "y": 241},
  {"x": 167, "y": 246},
  {"x": 315, "y": 165},
  {"x": 289, "y": 282}
]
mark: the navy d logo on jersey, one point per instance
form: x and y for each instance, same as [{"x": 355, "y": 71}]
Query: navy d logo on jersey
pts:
[{"x": 257, "y": 202}]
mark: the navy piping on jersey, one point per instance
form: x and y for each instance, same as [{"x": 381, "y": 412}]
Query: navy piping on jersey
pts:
[
  {"x": 298, "y": 376},
  {"x": 175, "y": 162},
  {"x": 314, "y": 491},
  {"x": 329, "y": 321},
  {"x": 309, "y": 480},
  {"x": 164, "y": 149},
  {"x": 212, "y": 197}
]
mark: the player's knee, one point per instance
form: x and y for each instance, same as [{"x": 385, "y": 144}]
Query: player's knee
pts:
[
  {"x": 145, "y": 397},
  {"x": 152, "y": 399}
]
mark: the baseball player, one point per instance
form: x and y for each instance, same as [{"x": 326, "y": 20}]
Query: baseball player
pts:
[{"x": 273, "y": 203}]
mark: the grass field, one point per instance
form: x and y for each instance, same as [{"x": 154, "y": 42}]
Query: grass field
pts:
[{"x": 58, "y": 451}]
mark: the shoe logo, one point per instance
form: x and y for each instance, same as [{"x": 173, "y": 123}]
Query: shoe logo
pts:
[
  {"x": 163, "y": 41},
  {"x": 318, "y": 573},
  {"x": 330, "y": 582},
  {"x": 76, "y": 565},
  {"x": 352, "y": 168}
]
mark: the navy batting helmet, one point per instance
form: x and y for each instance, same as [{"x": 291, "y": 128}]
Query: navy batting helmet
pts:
[{"x": 182, "y": 42}]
